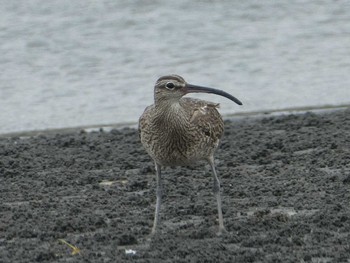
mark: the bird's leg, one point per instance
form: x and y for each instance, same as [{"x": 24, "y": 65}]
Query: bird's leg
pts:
[
  {"x": 217, "y": 194},
  {"x": 159, "y": 197}
]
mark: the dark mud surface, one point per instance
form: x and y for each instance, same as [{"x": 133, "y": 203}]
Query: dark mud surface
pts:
[{"x": 286, "y": 196}]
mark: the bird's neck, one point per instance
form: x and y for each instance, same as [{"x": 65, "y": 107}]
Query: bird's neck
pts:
[
  {"x": 170, "y": 113},
  {"x": 172, "y": 124}
]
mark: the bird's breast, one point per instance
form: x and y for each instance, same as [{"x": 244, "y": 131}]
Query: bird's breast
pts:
[{"x": 180, "y": 136}]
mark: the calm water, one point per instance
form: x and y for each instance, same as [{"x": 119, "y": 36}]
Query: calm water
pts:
[{"x": 69, "y": 63}]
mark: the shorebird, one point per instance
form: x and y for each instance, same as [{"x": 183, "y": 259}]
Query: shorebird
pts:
[{"x": 177, "y": 131}]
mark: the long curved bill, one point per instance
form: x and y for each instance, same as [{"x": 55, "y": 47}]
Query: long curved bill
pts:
[{"x": 198, "y": 89}]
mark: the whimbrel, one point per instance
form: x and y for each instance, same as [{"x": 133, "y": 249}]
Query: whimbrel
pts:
[{"x": 177, "y": 131}]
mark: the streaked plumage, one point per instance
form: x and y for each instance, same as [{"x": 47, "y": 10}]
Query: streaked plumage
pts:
[
  {"x": 177, "y": 131},
  {"x": 171, "y": 136}
]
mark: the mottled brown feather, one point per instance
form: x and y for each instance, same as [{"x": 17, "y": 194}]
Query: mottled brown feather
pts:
[{"x": 181, "y": 133}]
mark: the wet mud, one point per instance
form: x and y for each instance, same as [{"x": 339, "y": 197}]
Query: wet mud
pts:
[{"x": 89, "y": 197}]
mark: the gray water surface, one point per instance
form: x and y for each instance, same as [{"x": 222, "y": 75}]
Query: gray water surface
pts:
[{"x": 74, "y": 63}]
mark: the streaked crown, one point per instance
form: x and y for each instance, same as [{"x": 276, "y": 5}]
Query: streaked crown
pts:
[{"x": 169, "y": 87}]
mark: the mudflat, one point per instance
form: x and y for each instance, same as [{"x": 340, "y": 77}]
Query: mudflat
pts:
[{"x": 89, "y": 197}]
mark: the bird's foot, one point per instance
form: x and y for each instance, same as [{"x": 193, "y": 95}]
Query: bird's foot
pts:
[{"x": 222, "y": 231}]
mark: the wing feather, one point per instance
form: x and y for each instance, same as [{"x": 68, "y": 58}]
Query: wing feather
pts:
[{"x": 206, "y": 117}]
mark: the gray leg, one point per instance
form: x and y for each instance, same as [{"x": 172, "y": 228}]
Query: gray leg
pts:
[
  {"x": 217, "y": 194},
  {"x": 159, "y": 198}
]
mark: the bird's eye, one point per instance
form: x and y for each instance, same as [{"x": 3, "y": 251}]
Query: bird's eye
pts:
[{"x": 170, "y": 85}]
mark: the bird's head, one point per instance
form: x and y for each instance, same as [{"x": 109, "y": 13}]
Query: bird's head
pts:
[{"x": 171, "y": 88}]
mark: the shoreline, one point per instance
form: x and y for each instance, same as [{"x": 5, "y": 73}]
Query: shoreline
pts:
[{"x": 233, "y": 116}]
